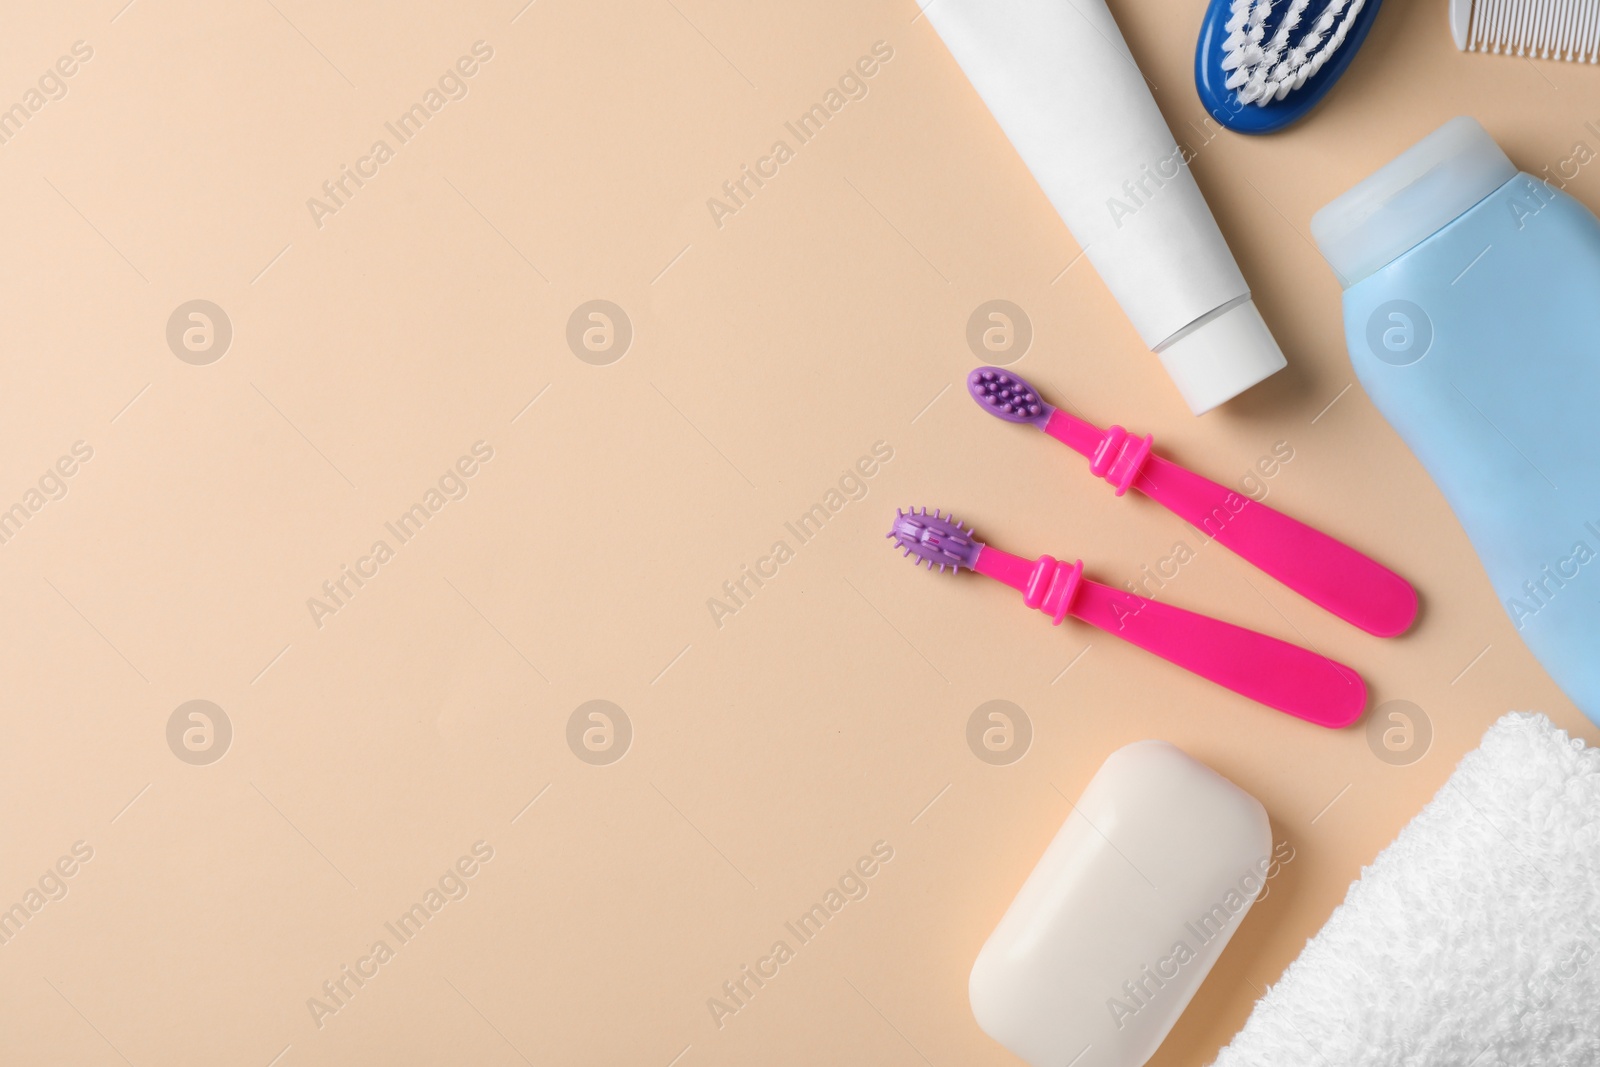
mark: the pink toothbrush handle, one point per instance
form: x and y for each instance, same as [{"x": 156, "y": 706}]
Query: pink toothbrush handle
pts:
[
  {"x": 1325, "y": 571},
  {"x": 1265, "y": 669}
]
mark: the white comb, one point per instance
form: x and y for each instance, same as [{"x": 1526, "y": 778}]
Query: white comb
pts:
[{"x": 1543, "y": 29}]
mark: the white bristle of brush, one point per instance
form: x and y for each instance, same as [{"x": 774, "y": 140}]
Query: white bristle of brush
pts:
[
  {"x": 1262, "y": 70},
  {"x": 1540, "y": 29}
]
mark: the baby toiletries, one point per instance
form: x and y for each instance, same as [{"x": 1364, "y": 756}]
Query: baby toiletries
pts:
[
  {"x": 1472, "y": 313},
  {"x": 1131, "y": 904},
  {"x": 1058, "y": 78}
]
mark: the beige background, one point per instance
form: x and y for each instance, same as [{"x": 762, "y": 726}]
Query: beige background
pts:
[{"x": 768, "y": 754}]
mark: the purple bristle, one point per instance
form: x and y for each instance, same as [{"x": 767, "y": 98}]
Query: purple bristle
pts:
[
  {"x": 1007, "y": 396},
  {"x": 937, "y": 539}
]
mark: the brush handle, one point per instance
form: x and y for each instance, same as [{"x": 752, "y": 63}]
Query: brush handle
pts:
[
  {"x": 1287, "y": 677},
  {"x": 1273, "y": 672},
  {"x": 1327, "y": 572}
]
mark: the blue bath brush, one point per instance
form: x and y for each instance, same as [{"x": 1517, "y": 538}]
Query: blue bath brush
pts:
[{"x": 1262, "y": 64}]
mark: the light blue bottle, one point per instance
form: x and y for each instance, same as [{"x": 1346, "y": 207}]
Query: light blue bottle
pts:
[{"x": 1472, "y": 312}]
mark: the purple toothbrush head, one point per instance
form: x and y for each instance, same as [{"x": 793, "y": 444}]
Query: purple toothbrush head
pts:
[
  {"x": 1008, "y": 397},
  {"x": 936, "y": 539}
]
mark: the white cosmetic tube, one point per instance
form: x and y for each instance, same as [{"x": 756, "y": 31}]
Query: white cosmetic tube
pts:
[{"x": 1057, "y": 76}]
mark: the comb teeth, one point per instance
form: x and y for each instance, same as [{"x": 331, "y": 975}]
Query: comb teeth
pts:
[
  {"x": 935, "y": 539},
  {"x": 1007, "y": 396},
  {"x": 1543, "y": 29}
]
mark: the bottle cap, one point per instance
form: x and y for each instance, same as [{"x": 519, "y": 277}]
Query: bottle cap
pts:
[
  {"x": 1219, "y": 356},
  {"x": 1430, "y": 184}
]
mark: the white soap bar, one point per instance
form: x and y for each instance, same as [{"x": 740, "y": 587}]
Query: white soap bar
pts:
[{"x": 1124, "y": 915}]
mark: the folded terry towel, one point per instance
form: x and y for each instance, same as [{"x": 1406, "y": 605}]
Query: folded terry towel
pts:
[{"x": 1473, "y": 940}]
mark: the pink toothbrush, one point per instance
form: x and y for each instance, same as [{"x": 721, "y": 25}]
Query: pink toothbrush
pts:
[
  {"x": 1265, "y": 669},
  {"x": 1326, "y": 572}
]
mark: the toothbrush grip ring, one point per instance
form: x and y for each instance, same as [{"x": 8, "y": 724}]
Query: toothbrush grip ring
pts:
[
  {"x": 1053, "y": 586},
  {"x": 1120, "y": 457}
]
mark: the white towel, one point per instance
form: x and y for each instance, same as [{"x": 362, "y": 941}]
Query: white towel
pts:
[{"x": 1473, "y": 940}]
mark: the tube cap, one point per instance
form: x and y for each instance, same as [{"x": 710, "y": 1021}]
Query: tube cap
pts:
[
  {"x": 1429, "y": 185},
  {"x": 1215, "y": 359}
]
